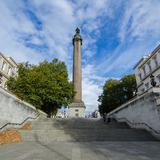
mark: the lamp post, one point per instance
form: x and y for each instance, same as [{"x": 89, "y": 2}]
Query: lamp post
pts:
[
  {"x": 0, "y": 78},
  {"x": 153, "y": 82}
]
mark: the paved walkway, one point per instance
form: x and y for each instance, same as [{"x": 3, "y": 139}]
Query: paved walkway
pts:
[{"x": 81, "y": 151}]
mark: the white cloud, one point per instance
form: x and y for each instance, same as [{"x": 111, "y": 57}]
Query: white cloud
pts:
[
  {"x": 139, "y": 34},
  {"x": 91, "y": 91},
  {"x": 59, "y": 19},
  {"x": 35, "y": 40},
  {"x": 140, "y": 19},
  {"x": 91, "y": 87},
  {"x": 11, "y": 25}
]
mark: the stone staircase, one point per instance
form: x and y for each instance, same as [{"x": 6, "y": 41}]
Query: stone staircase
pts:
[{"x": 82, "y": 130}]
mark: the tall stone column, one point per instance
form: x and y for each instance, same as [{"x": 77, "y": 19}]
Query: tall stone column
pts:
[
  {"x": 77, "y": 108},
  {"x": 77, "y": 71}
]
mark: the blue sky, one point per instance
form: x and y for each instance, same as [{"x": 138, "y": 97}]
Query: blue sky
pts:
[{"x": 116, "y": 34}]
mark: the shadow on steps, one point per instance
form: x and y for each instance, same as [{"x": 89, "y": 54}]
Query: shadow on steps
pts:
[{"x": 84, "y": 130}]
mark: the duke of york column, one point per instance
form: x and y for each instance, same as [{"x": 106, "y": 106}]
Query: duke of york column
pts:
[{"x": 77, "y": 108}]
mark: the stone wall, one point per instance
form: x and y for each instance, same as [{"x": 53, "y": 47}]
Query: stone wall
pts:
[
  {"x": 13, "y": 110},
  {"x": 141, "y": 112}
]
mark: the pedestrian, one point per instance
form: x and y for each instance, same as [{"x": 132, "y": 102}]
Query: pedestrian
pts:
[
  {"x": 108, "y": 119},
  {"x": 104, "y": 117}
]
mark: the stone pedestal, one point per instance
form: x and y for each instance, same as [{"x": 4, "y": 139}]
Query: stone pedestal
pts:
[{"x": 76, "y": 109}]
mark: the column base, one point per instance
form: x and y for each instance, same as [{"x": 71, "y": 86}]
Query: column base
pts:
[{"x": 76, "y": 109}]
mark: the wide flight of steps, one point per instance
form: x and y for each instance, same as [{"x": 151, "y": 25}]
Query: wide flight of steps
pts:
[{"x": 82, "y": 130}]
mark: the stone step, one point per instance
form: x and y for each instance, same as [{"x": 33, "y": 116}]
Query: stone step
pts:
[
  {"x": 59, "y": 125},
  {"x": 82, "y": 130},
  {"x": 69, "y": 121},
  {"x": 47, "y": 127},
  {"x": 58, "y": 135},
  {"x": 50, "y": 138},
  {"x": 86, "y": 131}
]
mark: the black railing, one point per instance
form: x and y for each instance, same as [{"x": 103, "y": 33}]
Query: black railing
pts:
[
  {"x": 19, "y": 124},
  {"x": 141, "y": 123}
]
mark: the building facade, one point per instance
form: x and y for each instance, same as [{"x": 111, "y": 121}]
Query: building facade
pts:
[
  {"x": 8, "y": 68},
  {"x": 147, "y": 71}
]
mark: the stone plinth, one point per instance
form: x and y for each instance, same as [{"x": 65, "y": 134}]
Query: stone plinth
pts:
[{"x": 76, "y": 109}]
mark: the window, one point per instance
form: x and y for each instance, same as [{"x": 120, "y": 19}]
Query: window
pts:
[
  {"x": 149, "y": 66},
  {"x": 144, "y": 70},
  {"x": 3, "y": 66},
  {"x": 9, "y": 71},
  {"x": 155, "y": 61},
  {"x": 140, "y": 76},
  {"x": 76, "y": 110}
]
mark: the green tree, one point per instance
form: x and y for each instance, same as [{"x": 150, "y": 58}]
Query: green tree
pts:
[
  {"x": 116, "y": 92},
  {"x": 46, "y": 85},
  {"x": 129, "y": 86}
]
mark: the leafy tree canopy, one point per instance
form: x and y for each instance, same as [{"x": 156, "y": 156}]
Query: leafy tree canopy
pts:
[
  {"x": 46, "y": 85},
  {"x": 116, "y": 92}
]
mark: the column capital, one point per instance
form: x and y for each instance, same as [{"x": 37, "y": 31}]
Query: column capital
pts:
[{"x": 77, "y": 36}]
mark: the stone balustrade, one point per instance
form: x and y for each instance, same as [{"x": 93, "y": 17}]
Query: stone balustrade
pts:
[
  {"x": 14, "y": 111},
  {"x": 141, "y": 112}
]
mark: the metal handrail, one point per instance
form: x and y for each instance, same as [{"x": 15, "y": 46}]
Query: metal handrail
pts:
[
  {"x": 141, "y": 123},
  {"x": 19, "y": 123}
]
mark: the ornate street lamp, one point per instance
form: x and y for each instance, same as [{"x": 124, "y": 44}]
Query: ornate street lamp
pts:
[
  {"x": 153, "y": 82},
  {"x": 0, "y": 78}
]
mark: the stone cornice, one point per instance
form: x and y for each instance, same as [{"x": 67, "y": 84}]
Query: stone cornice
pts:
[
  {"x": 157, "y": 49},
  {"x": 8, "y": 60}
]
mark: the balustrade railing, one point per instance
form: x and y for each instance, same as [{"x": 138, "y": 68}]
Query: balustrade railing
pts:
[{"x": 139, "y": 124}]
